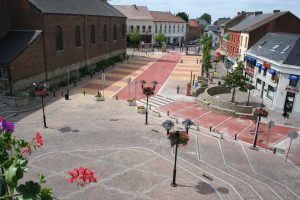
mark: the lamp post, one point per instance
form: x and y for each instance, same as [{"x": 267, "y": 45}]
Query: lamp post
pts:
[
  {"x": 173, "y": 184},
  {"x": 148, "y": 91},
  {"x": 249, "y": 87},
  {"x": 168, "y": 125},
  {"x": 42, "y": 91},
  {"x": 259, "y": 113},
  {"x": 187, "y": 124}
]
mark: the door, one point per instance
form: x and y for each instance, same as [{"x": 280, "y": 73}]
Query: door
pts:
[
  {"x": 289, "y": 101},
  {"x": 262, "y": 90}
]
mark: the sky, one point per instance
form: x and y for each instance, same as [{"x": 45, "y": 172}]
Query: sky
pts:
[{"x": 216, "y": 8}]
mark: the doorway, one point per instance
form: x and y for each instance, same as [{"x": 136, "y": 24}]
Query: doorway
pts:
[{"x": 289, "y": 102}]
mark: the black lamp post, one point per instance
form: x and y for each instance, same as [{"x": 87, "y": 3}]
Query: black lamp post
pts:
[
  {"x": 259, "y": 113},
  {"x": 187, "y": 124},
  {"x": 173, "y": 184},
  {"x": 148, "y": 91},
  {"x": 41, "y": 90},
  {"x": 249, "y": 87},
  {"x": 168, "y": 125}
]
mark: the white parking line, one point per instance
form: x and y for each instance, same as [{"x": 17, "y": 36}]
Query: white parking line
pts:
[
  {"x": 223, "y": 122},
  {"x": 201, "y": 115},
  {"x": 183, "y": 109},
  {"x": 251, "y": 123}
]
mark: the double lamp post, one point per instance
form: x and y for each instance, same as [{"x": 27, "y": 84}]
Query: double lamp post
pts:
[
  {"x": 148, "y": 91},
  {"x": 41, "y": 90}
]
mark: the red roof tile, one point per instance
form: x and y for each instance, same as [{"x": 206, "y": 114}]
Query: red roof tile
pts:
[
  {"x": 194, "y": 22},
  {"x": 166, "y": 17}
]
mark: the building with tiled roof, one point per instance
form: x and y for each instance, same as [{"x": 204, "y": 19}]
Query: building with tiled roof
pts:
[
  {"x": 273, "y": 65},
  {"x": 195, "y": 30},
  {"x": 42, "y": 40},
  {"x": 253, "y": 27},
  {"x": 173, "y": 27},
  {"x": 138, "y": 19}
]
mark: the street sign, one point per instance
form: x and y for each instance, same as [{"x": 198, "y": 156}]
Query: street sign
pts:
[
  {"x": 271, "y": 124},
  {"x": 293, "y": 135}
]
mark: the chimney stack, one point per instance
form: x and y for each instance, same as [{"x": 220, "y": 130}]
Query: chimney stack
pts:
[
  {"x": 135, "y": 6},
  {"x": 238, "y": 13},
  {"x": 276, "y": 11}
]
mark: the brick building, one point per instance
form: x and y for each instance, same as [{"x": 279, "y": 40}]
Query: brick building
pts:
[
  {"x": 195, "y": 30},
  {"x": 42, "y": 40}
]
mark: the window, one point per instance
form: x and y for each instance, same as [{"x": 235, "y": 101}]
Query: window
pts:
[
  {"x": 173, "y": 28},
  {"x": 258, "y": 84},
  {"x": 182, "y": 28},
  {"x": 3, "y": 73},
  {"x": 77, "y": 36},
  {"x": 270, "y": 93},
  {"x": 293, "y": 83},
  {"x": 149, "y": 29},
  {"x": 104, "y": 32},
  {"x": 160, "y": 28},
  {"x": 138, "y": 28},
  {"x": 155, "y": 29},
  {"x": 286, "y": 48},
  {"x": 246, "y": 42},
  {"x": 58, "y": 39},
  {"x": 169, "y": 28},
  {"x": 276, "y": 46},
  {"x": 131, "y": 28},
  {"x": 144, "y": 29},
  {"x": 165, "y": 28},
  {"x": 115, "y": 32},
  {"x": 92, "y": 34},
  {"x": 178, "y": 28}
]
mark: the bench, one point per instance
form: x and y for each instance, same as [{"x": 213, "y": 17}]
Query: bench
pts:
[{"x": 217, "y": 135}]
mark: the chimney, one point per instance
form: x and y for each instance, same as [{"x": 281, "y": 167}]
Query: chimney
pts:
[
  {"x": 258, "y": 13},
  {"x": 276, "y": 11},
  {"x": 238, "y": 13},
  {"x": 135, "y": 7}
]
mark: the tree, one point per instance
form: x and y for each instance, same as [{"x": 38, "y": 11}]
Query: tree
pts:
[
  {"x": 236, "y": 79},
  {"x": 183, "y": 15},
  {"x": 160, "y": 37},
  {"x": 135, "y": 37},
  {"x": 206, "y": 17},
  {"x": 206, "y": 42}
]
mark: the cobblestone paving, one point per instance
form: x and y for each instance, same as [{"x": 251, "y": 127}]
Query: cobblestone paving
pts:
[{"x": 134, "y": 161}]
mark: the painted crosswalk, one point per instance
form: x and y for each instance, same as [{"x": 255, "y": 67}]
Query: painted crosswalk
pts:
[{"x": 155, "y": 101}]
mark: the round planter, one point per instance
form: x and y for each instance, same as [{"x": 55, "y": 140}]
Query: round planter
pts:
[{"x": 141, "y": 111}]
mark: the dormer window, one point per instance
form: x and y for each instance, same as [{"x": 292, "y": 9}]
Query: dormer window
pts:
[
  {"x": 275, "y": 47},
  {"x": 286, "y": 48}
]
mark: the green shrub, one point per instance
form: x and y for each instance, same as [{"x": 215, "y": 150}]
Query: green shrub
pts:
[{"x": 63, "y": 83}]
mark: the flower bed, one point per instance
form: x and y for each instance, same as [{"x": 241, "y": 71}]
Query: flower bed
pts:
[
  {"x": 179, "y": 138},
  {"x": 99, "y": 97},
  {"x": 260, "y": 112}
]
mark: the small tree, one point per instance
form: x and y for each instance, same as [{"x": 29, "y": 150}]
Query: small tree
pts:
[
  {"x": 206, "y": 17},
  {"x": 160, "y": 37},
  {"x": 236, "y": 79},
  {"x": 135, "y": 37},
  {"x": 206, "y": 42},
  {"x": 183, "y": 15}
]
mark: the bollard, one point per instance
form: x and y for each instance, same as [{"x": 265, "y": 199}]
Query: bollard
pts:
[
  {"x": 198, "y": 128},
  {"x": 177, "y": 89},
  {"x": 197, "y": 60},
  {"x": 274, "y": 151},
  {"x": 53, "y": 93},
  {"x": 210, "y": 128},
  {"x": 168, "y": 113},
  {"x": 150, "y": 106},
  {"x": 116, "y": 97},
  {"x": 235, "y": 136},
  {"x": 83, "y": 92}
]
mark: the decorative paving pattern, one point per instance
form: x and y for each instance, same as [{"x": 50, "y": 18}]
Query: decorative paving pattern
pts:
[{"x": 183, "y": 70}]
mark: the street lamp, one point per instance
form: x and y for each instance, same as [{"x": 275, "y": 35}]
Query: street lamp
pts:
[
  {"x": 148, "y": 91},
  {"x": 187, "y": 124},
  {"x": 249, "y": 87},
  {"x": 168, "y": 125},
  {"x": 41, "y": 90}
]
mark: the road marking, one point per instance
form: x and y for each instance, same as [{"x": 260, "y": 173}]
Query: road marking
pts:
[
  {"x": 184, "y": 109},
  {"x": 251, "y": 124},
  {"x": 223, "y": 122},
  {"x": 202, "y": 116}
]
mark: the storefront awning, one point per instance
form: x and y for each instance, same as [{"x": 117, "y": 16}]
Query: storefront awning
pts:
[
  {"x": 272, "y": 71},
  {"x": 258, "y": 65},
  {"x": 294, "y": 77},
  {"x": 248, "y": 58},
  {"x": 218, "y": 51}
]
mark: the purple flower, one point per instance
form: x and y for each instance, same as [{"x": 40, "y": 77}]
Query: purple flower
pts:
[{"x": 6, "y": 125}]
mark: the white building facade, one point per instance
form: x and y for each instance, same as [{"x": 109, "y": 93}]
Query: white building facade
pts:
[
  {"x": 215, "y": 39},
  {"x": 275, "y": 74},
  {"x": 173, "y": 27}
]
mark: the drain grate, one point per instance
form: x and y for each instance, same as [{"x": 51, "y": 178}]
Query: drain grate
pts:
[
  {"x": 156, "y": 131},
  {"x": 113, "y": 120}
]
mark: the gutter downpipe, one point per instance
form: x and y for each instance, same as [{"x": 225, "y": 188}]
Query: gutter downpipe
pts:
[{"x": 44, "y": 47}]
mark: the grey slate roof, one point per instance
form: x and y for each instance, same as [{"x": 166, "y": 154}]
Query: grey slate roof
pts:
[
  {"x": 14, "y": 43},
  {"x": 202, "y": 22},
  {"x": 212, "y": 28},
  {"x": 250, "y": 20},
  {"x": 287, "y": 53},
  {"x": 77, "y": 7}
]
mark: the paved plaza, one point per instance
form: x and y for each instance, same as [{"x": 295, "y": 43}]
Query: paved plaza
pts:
[{"x": 135, "y": 161}]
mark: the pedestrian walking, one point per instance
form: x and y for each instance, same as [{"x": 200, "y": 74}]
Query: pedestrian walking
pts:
[{"x": 285, "y": 116}]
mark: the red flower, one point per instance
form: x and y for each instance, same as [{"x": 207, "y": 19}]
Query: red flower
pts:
[
  {"x": 27, "y": 150},
  {"x": 82, "y": 175},
  {"x": 39, "y": 139}
]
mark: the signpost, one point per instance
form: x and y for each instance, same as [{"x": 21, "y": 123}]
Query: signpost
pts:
[
  {"x": 270, "y": 125},
  {"x": 103, "y": 79},
  {"x": 128, "y": 81},
  {"x": 293, "y": 135}
]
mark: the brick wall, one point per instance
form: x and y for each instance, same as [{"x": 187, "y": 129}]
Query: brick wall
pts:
[
  {"x": 233, "y": 43},
  {"x": 28, "y": 64},
  {"x": 287, "y": 23},
  {"x": 194, "y": 32},
  {"x": 24, "y": 15},
  {"x": 4, "y": 18},
  {"x": 72, "y": 54}
]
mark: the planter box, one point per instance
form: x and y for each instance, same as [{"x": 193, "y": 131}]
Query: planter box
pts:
[
  {"x": 133, "y": 103},
  {"x": 217, "y": 135},
  {"x": 99, "y": 98},
  {"x": 141, "y": 111}
]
